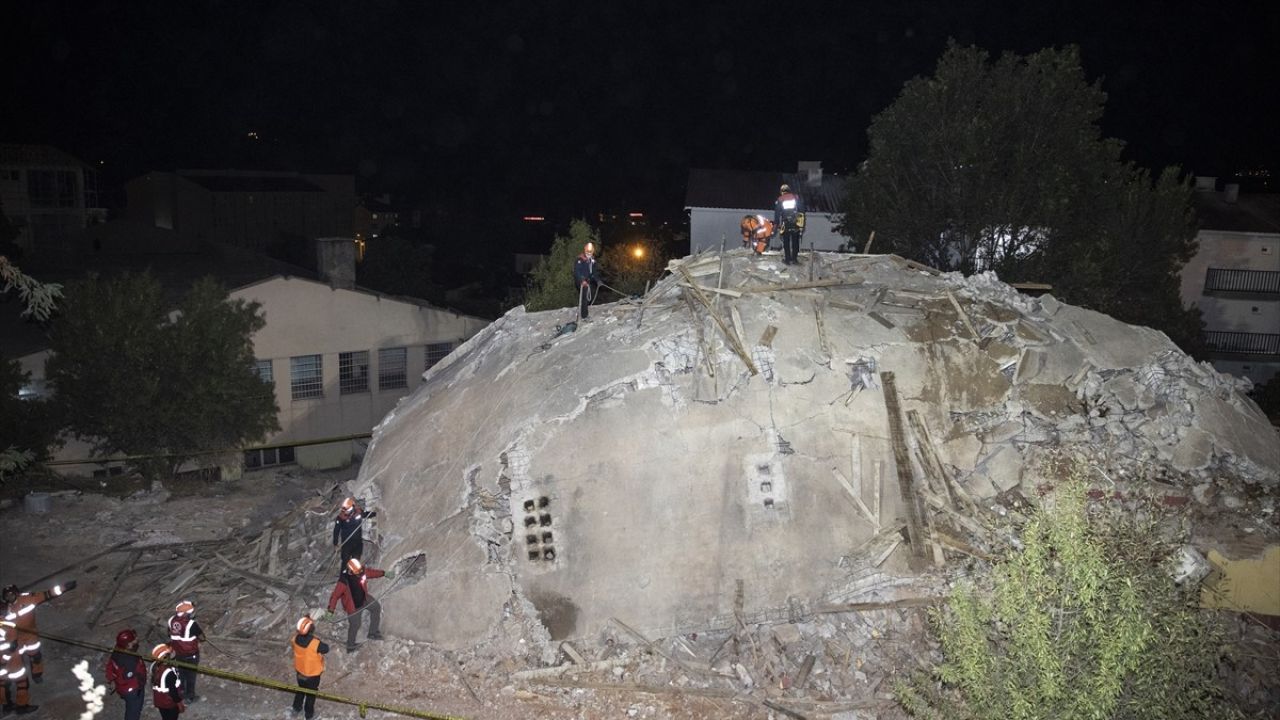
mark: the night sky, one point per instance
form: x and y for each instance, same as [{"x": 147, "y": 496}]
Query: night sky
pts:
[{"x": 557, "y": 107}]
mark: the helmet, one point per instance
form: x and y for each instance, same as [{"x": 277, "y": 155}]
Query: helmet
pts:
[
  {"x": 354, "y": 566},
  {"x": 306, "y": 625},
  {"x": 589, "y": 248},
  {"x": 162, "y": 652},
  {"x": 10, "y": 593},
  {"x": 126, "y": 639},
  {"x": 349, "y": 504},
  {"x": 184, "y": 607},
  {"x": 785, "y": 188}
]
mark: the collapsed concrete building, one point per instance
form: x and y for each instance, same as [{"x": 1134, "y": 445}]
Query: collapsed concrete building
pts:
[{"x": 750, "y": 441}]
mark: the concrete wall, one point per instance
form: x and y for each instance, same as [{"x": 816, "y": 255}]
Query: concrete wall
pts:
[
  {"x": 1236, "y": 312},
  {"x": 707, "y": 225}
]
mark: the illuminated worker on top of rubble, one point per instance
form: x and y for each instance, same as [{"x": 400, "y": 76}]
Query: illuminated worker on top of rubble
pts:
[
  {"x": 348, "y": 530},
  {"x": 18, "y": 614},
  {"x": 788, "y": 219},
  {"x": 756, "y": 231}
]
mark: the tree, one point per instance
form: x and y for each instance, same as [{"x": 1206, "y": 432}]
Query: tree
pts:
[
  {"x": 27, "y": 427},
  {"x": 1000, "y": 165},
  {"x": 551, "y": 281},
  {"x": 1084, "y": 621},
  {"x": 137, "y": 380}
]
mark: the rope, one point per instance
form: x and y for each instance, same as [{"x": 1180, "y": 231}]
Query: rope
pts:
[{"x": 246, "y": 679}]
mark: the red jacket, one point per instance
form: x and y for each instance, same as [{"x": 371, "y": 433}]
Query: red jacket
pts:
[
  {"x": 185, "y": 635},
  {"x": 126, "y": 672},
  {"x": 343, "y": 593},
  {"x": 166, "y": 688}
]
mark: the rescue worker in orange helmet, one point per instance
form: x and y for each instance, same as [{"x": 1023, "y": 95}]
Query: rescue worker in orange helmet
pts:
[
  {"x": 353, "y": 590},
  {"x": 22, "y": 642},
  {"x": 185, "y": 636},
  {"x": 756, "y": 231},
  {"x": 788, "y": 219},
  {"x": 166, "y": 686},
  {"x": 127, "y": 673},
  {"x": 308, "y": 662},
  {"x": 348, "y": 530}
]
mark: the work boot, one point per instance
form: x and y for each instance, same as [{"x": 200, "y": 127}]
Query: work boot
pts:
[
  {"x": 8, "y": 708},
  {"x": 375, "y": 636},
  {"x": 352, "y": 648},
  {"x": 193, "y": 699},
  {"x": 24, "y": 709}
]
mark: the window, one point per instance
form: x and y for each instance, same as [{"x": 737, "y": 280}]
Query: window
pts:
[
  {"x": 306, "y": 378},
  {"x": 267, "y": 457},
  {"x": 52, "y": 188},
  {"x": 437, "y": 352},
  {"x": 265, "y": 372},
  {"x": 392, "y": 363},
  {"x": 353, "y": 372},
  {"x": 11, "y": 175}
]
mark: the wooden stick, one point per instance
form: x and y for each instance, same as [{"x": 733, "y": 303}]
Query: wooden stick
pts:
[
  {"x": 734, "y": 341},
  {"x": 867, "y": 248}
]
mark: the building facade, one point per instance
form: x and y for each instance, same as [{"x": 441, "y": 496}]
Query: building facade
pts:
[
  {"x": 1234, "y": 279},
  {"x": 47, "y": 195}
]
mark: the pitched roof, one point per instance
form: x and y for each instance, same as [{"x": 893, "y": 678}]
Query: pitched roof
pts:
[
  {"x": 1249, "y": 213},
  {"x": 253, "y": 183},
  {"x": 755, "y": 190}
]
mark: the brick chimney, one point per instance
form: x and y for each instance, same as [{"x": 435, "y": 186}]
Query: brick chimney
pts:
[{"x": 336, "y": 261}]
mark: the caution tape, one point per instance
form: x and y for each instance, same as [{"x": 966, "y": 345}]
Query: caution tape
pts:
[{"x": 245, "y": 679}]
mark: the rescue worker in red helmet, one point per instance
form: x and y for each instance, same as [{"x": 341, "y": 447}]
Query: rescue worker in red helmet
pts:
[
  {"x": 185, "y": 636},
  {"x": 166, "y": 686},
  {"x": 348, "y": 530},
  {"x": 308, "y": 662},
  {"x": 19, "y": 608},
  {"x": 586, "y": 278},
  {"x": 127, "y": 673},
  {"x": 788, "y": 219},
  {"x": 353, "y": 590}
]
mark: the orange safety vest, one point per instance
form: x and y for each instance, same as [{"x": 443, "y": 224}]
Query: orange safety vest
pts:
[{"x": 307, "y": 659}]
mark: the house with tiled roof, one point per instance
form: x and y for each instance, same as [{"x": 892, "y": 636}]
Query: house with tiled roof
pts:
[{"x": 717, "y": 200}]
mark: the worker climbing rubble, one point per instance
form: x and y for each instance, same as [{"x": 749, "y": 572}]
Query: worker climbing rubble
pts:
[
  {"x": 353, "y": 590},
  {"x": 586, "y": 278},
  {"x": 166, "y": 685},
  {"x": 348, "y": 530},
  {"x": 21, "y": 644},
  {"x": 308, "y": 662},
  {"x": 756, "y": 231},
  {"x": 127, "y": 673},
  {"x": 788, "y": 219},
  {"x": 185, "y": 637}
]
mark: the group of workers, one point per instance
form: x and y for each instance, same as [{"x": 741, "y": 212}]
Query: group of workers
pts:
[{"x": 788, "y": 221}]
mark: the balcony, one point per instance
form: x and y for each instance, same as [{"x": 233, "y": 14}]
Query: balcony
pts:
[
  {"x": 1243, "y": 343},
  {"x": 1253, "y": 282}
]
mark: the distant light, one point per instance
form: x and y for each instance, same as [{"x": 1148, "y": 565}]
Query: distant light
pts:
[
  {"x": 533, "y": 218},
  {"x": 252, "y": 135},
  {"x": 635, "y": 214},
  {"x": 638, "y": 251}
]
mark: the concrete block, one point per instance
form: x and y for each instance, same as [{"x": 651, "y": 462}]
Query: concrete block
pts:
[
  {"x": 1049, "y": 305},
  {"x": 787, "y": 634},
  {"x": 1003, "y": 467},
  {"x": 961, "y": 452},
  {"x": 1194, "y": 451}
]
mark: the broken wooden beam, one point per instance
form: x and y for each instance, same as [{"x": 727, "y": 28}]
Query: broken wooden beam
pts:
[
  {"x": 848, "y": 488},
  {"x": 121, "y": 572},
  {"x": 916, "y": 519},
  {"x": 718, "y": 291},
  {"x": 963, "y": 316},
  {"x": 734, "y": 342}
]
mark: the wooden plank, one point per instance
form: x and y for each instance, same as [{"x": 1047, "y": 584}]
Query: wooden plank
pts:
[
  {"x": 718, "y": 291},
  {"x": 884, "y": 555},
  {"x": 702, "y": 341},
  {"x": 656, "y": 648},
  {"x": 866, "y": 511},
  {"x": 737, "y": 321},
  {"x": 916, "y": 530},
  {"x": 822, "y": 330},
  {"x": 880, "y": 319},
  {"x": 887, "y": 605},
  {"x": 805, "y": 668},
  {"x": 573, "y": 653},
  {"x": 734, "y": 342},
  {"x": 184, "y": 578},
  {"x": 74, "y": 565},
  {"x": 845, "y": 305},
  {"x": 543, "y": 673},
  {"x": 867, "y": 248},
  {"x": 725, "y": 693},
  {"x": 121, "y": 572},
  {"x": 766, "y": 337},
  {"x": 963, "y": 316}
]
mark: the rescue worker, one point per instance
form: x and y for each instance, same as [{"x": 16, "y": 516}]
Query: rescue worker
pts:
[
  {"x": 15, "y": 684},
  {"x": 348, "y": 530},
  {"x": 585, "y": 278},
  {"x": 756, "y": 231},
  {"x": 127, "y": 673},
  {"x": 166, "y": 685},
  {"x": 185, "y": 637},
  {"x": 353, "y": 590},
  {"x": 20, "y": 609},
  {"x": 788, "y": 219},
  {"x": 308, "y": 662}
]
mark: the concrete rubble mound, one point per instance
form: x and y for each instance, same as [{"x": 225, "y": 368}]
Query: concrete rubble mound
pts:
[{"x": 756, "y": 443}]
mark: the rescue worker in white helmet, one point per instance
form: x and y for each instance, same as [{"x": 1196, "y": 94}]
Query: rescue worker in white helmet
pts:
[
  {"x": 788, "y": 219},
  {"x": 185, "y": 636},
  {"x": 348, "y": 529},
  {"x": 308, "y": 663},
  {"x": 166, "y": 685}
]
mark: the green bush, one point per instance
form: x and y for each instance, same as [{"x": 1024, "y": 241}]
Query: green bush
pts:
[{"x": 1085, "y": 621}]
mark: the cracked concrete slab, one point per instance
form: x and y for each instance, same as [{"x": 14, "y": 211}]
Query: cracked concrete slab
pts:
[{"x": 635, "y": 469}]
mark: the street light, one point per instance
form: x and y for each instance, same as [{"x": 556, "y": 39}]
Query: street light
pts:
[{"x": 637, "y": 252}]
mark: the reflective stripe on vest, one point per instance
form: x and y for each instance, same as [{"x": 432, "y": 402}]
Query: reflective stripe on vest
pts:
[
  {"x": 789, "y": 204},
  {"x": 27, "y": 649},
  {"x": 161, "y": 688}
]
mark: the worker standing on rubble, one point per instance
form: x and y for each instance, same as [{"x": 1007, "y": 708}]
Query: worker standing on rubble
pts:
[
  {"x": 353, "y": 590},
  {"x": 127, "y": 673},
  {"x": 308, "y": 662},
  {"x": 348, "y": 530},
  {"x": 788, "y": 218},
  {"x": 166, "y": 685},
  {"x": 585, "y": 278},
  {"x": 185, "y": 637},
  {"x": 19, "y": 608}
]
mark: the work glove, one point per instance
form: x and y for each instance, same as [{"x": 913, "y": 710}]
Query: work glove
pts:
[
  {"x": 327, "y": 616},
  {"x": 390, "y": 574}
]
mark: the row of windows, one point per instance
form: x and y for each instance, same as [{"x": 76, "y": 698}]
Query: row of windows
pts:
[{"x": 306, "y": 372}]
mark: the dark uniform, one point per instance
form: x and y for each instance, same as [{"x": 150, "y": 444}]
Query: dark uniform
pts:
[
  {"x": 586, "y": 280},
  {"x": 788, "y": 219}
]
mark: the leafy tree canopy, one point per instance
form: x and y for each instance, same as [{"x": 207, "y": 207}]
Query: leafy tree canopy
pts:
[
  {"x": 134, "y": 378},
  {"x": 1001, "y": 165}
]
